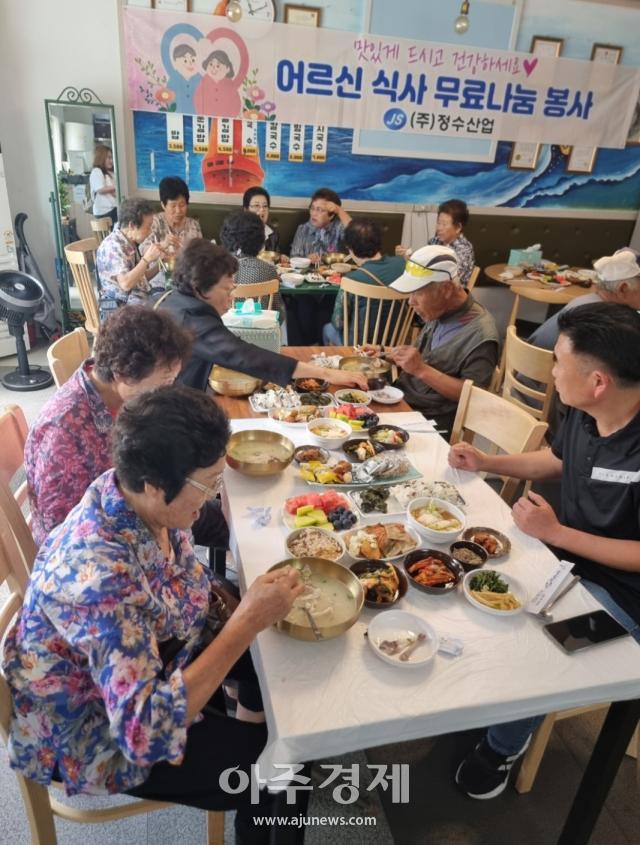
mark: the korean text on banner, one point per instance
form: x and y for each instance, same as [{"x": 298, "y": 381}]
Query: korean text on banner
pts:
[{"x": 324, "y": 77}]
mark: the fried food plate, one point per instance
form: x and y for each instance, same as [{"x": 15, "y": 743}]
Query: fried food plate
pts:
[
  {"x": 503, "y": 543},
  {"x": 385, "y": 540}
]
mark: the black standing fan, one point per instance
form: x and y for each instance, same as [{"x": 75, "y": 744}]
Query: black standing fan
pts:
[{"x": 20, "y": 297}]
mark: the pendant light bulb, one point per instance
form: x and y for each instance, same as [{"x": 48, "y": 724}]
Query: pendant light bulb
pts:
[
  {"x": 234, "y": 11},
  {"x": 461, "y": 23}
]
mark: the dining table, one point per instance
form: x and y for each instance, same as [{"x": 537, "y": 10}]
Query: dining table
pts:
[
  {"x": 558, "y": 295},
  {"x": 336, "y": 696}
]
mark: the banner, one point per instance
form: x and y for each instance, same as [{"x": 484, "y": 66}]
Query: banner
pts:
[
  {"x": 175, "y": 133},
  {"x": 295, "y": 74}
]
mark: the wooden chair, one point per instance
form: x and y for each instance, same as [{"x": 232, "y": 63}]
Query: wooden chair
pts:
[
  {"x": 100, "y": 227},
  {"x": 396, "y": 324},
  {"x": 65, "y": 355},
  {"x": 258, "y": 290},
  {"x": 78, "y": 255},
  {"x": 473, "y": 278},
  {"x": 13, "y": 436},
  {"x": 40, "y": 805},
  {"x": 503, "y": 424},
  {"x": 522, "y": 359}
]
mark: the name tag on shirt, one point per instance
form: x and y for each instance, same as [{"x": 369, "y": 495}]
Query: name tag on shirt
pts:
[{"x": 615, "y": 476}]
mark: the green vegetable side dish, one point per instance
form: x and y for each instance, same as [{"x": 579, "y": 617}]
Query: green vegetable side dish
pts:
[
  {"x": 374, "y": 499},
  {"x": 488, "y": 582},
  {"x": 353, "y": 398}
]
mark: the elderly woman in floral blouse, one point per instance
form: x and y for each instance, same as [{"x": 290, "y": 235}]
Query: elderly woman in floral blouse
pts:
[{"x": 116, "y": 660}]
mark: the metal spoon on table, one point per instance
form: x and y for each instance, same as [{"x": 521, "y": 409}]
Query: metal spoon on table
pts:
[
  {"x": 545, "y": 612},
  {"x": 317, "y": 633}
]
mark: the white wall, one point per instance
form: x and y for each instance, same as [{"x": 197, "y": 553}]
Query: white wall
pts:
[{"x": 45, "y": 46}]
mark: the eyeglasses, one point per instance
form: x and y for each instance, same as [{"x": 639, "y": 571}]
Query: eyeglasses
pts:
[
  {"x": 210, "y": 492},
  {"x": 258, "y": 206}
]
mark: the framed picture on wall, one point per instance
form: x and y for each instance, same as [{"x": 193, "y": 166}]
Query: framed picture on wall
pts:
[
  {"x": 301, "y": 15},
  {"x": 172, "y": 5},
  {"x": 581, "y": 159},
  {"x": 524, "y": 155},
  {"x": 543, "y": 45},
  {"x": 606, "y": 53}
]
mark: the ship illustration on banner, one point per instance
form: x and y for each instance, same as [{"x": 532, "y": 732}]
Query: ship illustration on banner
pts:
[{"x": 230, "y": 172}]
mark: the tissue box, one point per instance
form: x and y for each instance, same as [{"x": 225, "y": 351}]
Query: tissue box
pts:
[
  {"x": 264, "y": 338},
  {"x": 525, "y": 256},
  {"x": 257, "y": 320}
]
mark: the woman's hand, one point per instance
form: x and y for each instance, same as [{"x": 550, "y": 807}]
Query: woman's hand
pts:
[
  {"x": 153, "y": 253},
  {"x": 404, "y": 251},
  {"x": 347, "y": 379},
  {"x": 371, "y": 350},
  {"x": 270, "y": 598},
  {"x": 314, "y": 257},
  {"x": 170, "y": 242},
  {"x": 465, "y": 456}
]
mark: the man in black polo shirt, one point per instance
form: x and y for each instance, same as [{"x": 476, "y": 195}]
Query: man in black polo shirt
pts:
[{"x": 597, "y": 456}]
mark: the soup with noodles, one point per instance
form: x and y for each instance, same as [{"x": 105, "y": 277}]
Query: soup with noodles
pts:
[
  {"x": 327, "y": 599},
  {"x": 255, "y": 452}
]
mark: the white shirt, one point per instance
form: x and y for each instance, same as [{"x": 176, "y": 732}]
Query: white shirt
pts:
[{"x": 102, "y": 203}]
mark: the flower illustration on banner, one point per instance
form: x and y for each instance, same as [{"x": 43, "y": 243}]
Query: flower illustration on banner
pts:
[
  {"x": 165, "y": 96},
  {"x": 155, "y": 89},
  {"x": 254, "y": 105}
]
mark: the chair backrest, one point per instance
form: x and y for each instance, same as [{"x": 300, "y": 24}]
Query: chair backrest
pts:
[
  {"x": 473, "y": 278},
  {"x": 499, "y": 421},
  {"x": 13, "y": 436},
  {"x": 78, "y": 254},
  {"x": 528, "y": 375},
  {"x": 258, "y": 290},
  {"x": 101, "y": 227},
  {"x": 389, "y": 325},
  {"x": 65, "y": 355}
]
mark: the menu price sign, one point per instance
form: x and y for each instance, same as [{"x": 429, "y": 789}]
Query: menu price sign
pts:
[
  {"x": 175, "y": 133},
  {"x": 319, "y": 144},
  {"x": 225, "y": 134},
  {"x": 200, "y": 134},
  {"x": 272, "y": 141},
  {"x": 296, "y": 142},
  {"x": 249, "y": 137}
]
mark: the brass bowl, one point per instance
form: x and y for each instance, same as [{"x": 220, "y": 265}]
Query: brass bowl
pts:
[
  {"x": 330, "y": 569},
  {"x": 231, "y": 383},
  {"x": 269, "y": 255},
  {"x": 336, "y": 257},
  {"x": 258, "y": 436},
  {"x": 362, "y": 364}
]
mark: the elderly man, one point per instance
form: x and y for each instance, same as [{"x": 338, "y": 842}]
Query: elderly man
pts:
[
  {"x": 459, "y": 340},
  {"x": 597, "y": 457},
  {"x": 618, "y": 281}
]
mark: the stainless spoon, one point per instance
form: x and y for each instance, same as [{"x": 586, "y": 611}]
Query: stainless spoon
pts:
[
  {"x": 317, "y": 633},
  {"x": 545, "y": 612}
]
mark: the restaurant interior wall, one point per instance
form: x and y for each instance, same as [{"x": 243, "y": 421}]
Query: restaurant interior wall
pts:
[{"x": 45, "y": 46}]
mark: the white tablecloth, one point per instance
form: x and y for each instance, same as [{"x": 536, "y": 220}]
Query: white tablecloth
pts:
[{"x": 337, "y": 696}]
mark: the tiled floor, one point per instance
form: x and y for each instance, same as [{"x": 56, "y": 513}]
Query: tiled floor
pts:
[{"x": 437, "y": 813}]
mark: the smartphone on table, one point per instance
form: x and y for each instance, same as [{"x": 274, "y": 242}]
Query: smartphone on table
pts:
[{"x": 588, "y": 629}]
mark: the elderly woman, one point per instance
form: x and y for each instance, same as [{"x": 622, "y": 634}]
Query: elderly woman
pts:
[
  {"x": 172, "y": 228},
  {"x": 116, "y": 660},
  {"x": 203, "y": 288},
  {"x": 324, "y": 232},
  {"x": 124, "y": 273},
  {"x": 258, "y": 201},
  {"x": 242, "y": 234}
]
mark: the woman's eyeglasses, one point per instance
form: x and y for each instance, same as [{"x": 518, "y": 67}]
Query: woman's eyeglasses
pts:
[
  {"x": 261, "y": 207},
  {"x": 210, "y": 492}
]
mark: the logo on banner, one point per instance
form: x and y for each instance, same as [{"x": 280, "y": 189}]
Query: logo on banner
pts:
[
  {"x": 319, "y": 144},
  {"x": 200, "y": 134},
  {"x": 272, "y": 142},
  {"x": 296, "y": 142},
  {"x": 395, "y": 119},
  {"x": 225, "y": 135},
  {"x": 175, "y": 133}
]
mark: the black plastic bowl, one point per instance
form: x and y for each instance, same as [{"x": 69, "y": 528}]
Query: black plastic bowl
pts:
[
  {"x": 449, "y": 562},
  {"x": 402, "y": 432},
  {"x": 370, "y": 566},
  {"x": 476, "y": 548}
]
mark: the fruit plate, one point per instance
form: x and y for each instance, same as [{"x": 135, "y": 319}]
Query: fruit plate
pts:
[
  {"x": 411, "y": 473},
  {"x": 326, "y": 501}
]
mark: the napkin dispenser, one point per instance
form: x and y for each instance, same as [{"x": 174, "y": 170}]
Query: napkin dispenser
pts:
[
  {"x": 529, "y": 256},
  {"x": 250, "y": 315}
]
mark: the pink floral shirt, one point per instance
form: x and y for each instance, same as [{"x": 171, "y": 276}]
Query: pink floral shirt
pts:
[
  {"x": 90, "y": 693},
  {"x": 68, "y": 447}
]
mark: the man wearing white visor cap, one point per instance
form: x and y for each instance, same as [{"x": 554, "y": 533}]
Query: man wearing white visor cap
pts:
[
  {"x": 617, "y": 280},
  {"x": 459, "y": 340}
]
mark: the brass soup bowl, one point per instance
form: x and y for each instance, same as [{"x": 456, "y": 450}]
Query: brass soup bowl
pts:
[
  {"x": 231, "y": 383},
  {"x": 269, "y": 255},
  {"x": 258, "y": 438},
  {"x": 336, "y": 257},
  {"x": 362, "y": 364},
  {"x": 330, "y": 569}
]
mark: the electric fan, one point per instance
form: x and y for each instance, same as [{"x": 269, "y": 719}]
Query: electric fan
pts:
[{"x": 20, "y": 297}]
